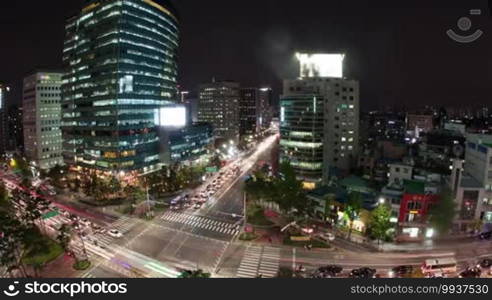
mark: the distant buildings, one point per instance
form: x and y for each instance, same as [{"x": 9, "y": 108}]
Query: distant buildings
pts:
[
  {"x": 249, "y": 111},
  {"x": 219, "y": 106},
  {"x": 187, "y": 145},
  {"x": 417, "y": 124},
  {"x": 15, "y": 129},
  {"x": 4, "y": 89},
  {"x": 41, "y": 103},
  {"x": 121, "y": 62},
  {"x": 320, "y": 121},
  {"x": 266, "y": 107}
]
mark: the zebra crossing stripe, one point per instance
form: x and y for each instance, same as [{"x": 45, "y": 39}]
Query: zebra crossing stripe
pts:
[{"x": 162, "y": 270}]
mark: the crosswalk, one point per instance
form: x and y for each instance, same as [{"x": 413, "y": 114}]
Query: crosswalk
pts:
[
  {"x": 204, "y": 223},
  {"x": 259, "y": 261},
  {"x": 124, "y": 224}
]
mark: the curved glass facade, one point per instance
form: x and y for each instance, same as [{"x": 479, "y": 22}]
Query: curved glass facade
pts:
[{"x": 121, "y": 66}]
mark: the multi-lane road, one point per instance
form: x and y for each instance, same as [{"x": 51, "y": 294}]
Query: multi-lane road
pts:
[{"x": 207, "y": 239}]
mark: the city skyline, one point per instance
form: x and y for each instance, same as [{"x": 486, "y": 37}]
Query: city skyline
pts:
[
  {"x": 259, "y": 139},
  {"x": 262, "y": 42}
]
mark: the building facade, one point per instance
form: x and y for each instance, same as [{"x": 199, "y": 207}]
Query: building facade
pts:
[
  {"x": 188, "y": 144},
  {"x": 219, "y": 106},
  {"x": 121, "y": 61},
  {"x": 471, "y": 182},
  {"x": 339, "y": 110},
  {"x": 249, "y": 112},
  {"x": 4, "y": 89},
  {"x": 15, "y": 129},
  {"x": 301, "y": 136},
  {"x": 266, "y": 107},
  {"x": 41, "y": 105}
]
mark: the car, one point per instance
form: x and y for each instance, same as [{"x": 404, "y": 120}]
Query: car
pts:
[
  {"x": 328, "y": 271},
  {"x": 327, "y": 237},
  {"x": 485, "y": 235},
  {"x": 485, "y": 263},
  {"x": 198, "y": 206},
  {"x": 115, "y": 233},
  {"x": 86, "y": 222},
  {"x": 471, "y": 273},
  {"x": 400, "y": 271},
  {"x": 364, "y": 273}
]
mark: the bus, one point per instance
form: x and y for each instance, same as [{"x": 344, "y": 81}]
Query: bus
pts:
[{"x": 439, "y": 266}]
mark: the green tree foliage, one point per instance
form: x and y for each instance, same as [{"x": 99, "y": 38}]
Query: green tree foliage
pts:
[
  {"x": 380, "y": 222},
  {"x": 194, "y": 274},
  {"x": 353, "y": 209},
  {"x": 64, "y": 236},
  {"x": 442, "y": 215}
]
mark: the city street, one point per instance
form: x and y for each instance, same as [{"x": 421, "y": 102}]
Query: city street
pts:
[{"x": 207, "y": 239}]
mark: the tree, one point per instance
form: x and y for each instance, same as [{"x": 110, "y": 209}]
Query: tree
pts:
[
  {"x": 194, "y": 274},
  {"x": 353, "y": 209},
  {"x": 442, "y": 215},
  {"x": 380, "y": 222},
  {"x": 64, "y": 237},
  {"x": 12, "y": 241},
  {"x": 289, "y": 192},
  {"x": 4, "y": 196}
]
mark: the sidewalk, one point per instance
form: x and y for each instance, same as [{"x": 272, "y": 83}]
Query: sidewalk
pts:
[{"x": 62, "y": 267}]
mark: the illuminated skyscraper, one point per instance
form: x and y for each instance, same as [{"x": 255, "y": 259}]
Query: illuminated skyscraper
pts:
[
  {"x": 3, "y": 118},
  {"x": 320, "y": 119},
  {"x": 121, "y": 63},
  {"x": 41, "y": 118},
  {"x": 219, "y": 106}
]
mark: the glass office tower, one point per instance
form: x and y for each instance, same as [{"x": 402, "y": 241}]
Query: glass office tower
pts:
[{"x": 121, "y": 67}]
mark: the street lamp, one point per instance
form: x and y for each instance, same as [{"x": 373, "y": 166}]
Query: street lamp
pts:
[{"x": 382, "y": 200}]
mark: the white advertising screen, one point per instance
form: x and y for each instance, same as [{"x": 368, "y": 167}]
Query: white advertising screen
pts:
[
  {"x": 321, "y": 65},
  {"x": 174, "y": 116}
]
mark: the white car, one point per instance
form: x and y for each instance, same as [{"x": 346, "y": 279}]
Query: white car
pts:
[
  {"x": 198, "y": 206},
  {"x": 327, "y": 237},
  {"x": 115, "y": 233}
]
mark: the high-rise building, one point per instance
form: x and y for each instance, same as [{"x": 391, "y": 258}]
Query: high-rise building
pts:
[
  {"x": 121, "y": 60},
  {"x": 265, "y": 107},
  {"x": 219, "y": 106},
  {"x": 42, "y": 117},
  {"x": 320, "y": 119},
  {"x": 4, "y": 89},
  {"x": 248, "y": 112},
  {"x": 15, "y": 129},
  {"x": 301, "y": 131}
]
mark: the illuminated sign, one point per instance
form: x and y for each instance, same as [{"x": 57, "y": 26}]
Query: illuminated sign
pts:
[
  {"x": 321, "y": 65},
  {"x": 172, "y": 116}
]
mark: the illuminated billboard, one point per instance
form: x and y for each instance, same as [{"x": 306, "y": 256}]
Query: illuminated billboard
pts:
[
  {"x": 321, "y": 65},
  {"x": 172, "y": 116}
]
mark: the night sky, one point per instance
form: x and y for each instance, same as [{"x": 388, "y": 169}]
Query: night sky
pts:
[{"x": 398, "y": 50}]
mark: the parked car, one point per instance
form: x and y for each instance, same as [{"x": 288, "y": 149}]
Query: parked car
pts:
[
  {"x": 485, "y": 263},
  {"x": 471, "y": 273},
  {"x": 198, "y": 206},
  {"x": 400, "y": 271},
  {"x": 485, "y": 235},
  {"x": 364, "y": 273},
  {"x": 328, "y": 272}
]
